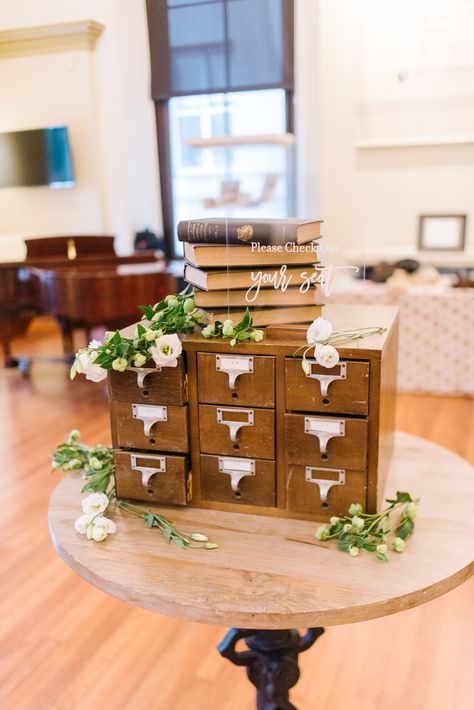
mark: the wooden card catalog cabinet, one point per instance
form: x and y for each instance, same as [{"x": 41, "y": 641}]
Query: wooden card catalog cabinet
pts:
[{"x": 247, "y": 429}]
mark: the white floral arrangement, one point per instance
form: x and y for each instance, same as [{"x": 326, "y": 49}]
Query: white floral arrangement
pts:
[{"x": 321, "y": 339}]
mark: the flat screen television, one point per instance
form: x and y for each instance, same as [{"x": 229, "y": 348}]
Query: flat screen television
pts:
[{"x": 36, "y": 157}]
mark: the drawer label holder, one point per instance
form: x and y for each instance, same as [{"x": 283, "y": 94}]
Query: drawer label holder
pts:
[
  {"x": 236, "y": 469},
  {"x": 143, "y": 372},
  {"x": 234, "y": 426},
  {"x": 147, "y": 471},
  {"x": 326, "y": 380},
  {"x": 149, "y": 415},
  {"x": 234, "y": 366},
  {"x": 324, "y": 429},
  {"x": 324, "y": 484}
]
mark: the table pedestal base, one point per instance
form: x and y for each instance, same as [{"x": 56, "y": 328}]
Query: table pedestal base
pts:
[{"x": 271, "y": 661}]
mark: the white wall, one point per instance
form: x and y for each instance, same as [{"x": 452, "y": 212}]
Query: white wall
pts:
[
  {"x": 104, "y": 97},
  {"x": 370, "y": 199}
]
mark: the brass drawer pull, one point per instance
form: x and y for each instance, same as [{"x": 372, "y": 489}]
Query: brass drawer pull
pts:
[
  {"x": 147, "y": 471},
  {"x": 326, "y": 380},
  {"x": 237, "y": 469},
  {"x": 324, "y": 429},
  {"x": 149, "y": 415},
  {"x": 323, "y": 483},
  {"x": 143, "y": 372},
  {"x": 234, "y": 366},
  {"x": 233, "y": 425}
]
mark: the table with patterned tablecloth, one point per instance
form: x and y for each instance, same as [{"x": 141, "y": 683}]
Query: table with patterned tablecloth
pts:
[{"x": 436, "y": 351}]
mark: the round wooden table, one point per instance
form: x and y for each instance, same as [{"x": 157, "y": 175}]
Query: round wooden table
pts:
[{"x": 270, "y": 576}]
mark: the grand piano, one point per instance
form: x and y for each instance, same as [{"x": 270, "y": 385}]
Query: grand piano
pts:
[{"x": 82, "y": 282}]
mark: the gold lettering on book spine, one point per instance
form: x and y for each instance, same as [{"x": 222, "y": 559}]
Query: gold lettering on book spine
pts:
[{"x": 245, "y": 233}]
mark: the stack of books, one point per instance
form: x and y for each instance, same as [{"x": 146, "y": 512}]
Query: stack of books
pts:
[{"x": 268, "y": 266}]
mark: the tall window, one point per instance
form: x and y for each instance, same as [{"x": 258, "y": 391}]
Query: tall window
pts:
[{"x": 222, "y": 82}]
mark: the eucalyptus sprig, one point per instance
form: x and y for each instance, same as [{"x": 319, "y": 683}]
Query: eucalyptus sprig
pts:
[
  {"x": 169, "y": 530},
  {"x": 371, "y": 532},
  {"x": 97, "y": 463},
  {"x": 243, "y": 330}
]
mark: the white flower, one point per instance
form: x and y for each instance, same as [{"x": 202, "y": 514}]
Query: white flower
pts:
[
  {"x": 353, "y": 551},
  {"x": 151, "y": 335},
  {"x": 95, "y": 344},
  {"x": 95, "y": 503},
  {"x": 139, "y": 360},
  {"x": 347, "y": 527},
  {"x": 358, "y": 523},
  {"x": 320, "y": 329},
  {"x": 86, "y": 366},
  {"x": 166, "y": 351},
  {"x": 256, "y": 335},
  {"x": 106, "y": 523},
  {"x": 382, "y": 549},
  {"x": 334, "y": 520},
  {"x": 95, "y": 463},
  {"x": 81, "y": 524},
  {"x": 326, "y": 355},
  {"x": 355, "y": 509},
  {"x": 120, "y": 364},
  {"x": 96, "y": 532},
  {"x": 208, "y": 330}
]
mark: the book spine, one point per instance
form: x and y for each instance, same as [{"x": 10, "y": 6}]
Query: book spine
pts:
[{"x": 235, "y": 233}]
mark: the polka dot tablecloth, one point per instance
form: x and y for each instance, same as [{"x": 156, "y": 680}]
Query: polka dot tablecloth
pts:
[{"x": 436, "y": 347}]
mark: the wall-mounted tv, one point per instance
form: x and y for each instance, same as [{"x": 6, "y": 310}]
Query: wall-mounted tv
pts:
[{"x": 37, "y": 157}]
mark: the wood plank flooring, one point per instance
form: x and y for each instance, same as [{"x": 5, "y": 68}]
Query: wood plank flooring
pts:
[{"x": 64, "y": 645}]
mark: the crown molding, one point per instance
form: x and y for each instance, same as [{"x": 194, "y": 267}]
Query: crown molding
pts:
[{"x": 63, "y": 37}]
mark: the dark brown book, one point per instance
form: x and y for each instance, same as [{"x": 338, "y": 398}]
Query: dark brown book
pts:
[
  {"x": 265, "y": 297},
  {"x": 245, "y": 231},
  {"x": 217, "y": 279},
  {"x": 267, "y": 316},
  {"x": 210, "y": 255}
]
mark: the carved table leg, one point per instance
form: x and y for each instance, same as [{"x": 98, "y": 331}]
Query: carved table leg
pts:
[{"x": 271, "y": 661}]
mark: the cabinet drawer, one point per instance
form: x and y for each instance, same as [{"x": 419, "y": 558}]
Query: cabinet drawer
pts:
[
  {"x": 236, "y": 379},
  {"x": 149, "y": 385},
  {"x": 156, "y": 427},
  {"x": 343, "y": 389},
  {"x": 237, "y": 431},
  {"x": 324, "y": 491},
  {"x": 238, "y": 480},
  {"x": 158, "y": 478},
  {"x": 326, "y": 441}
]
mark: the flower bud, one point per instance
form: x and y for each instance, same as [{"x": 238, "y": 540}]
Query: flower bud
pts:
[
  {"x": 355, "y": 509},
  {"x": 398, "y": 544},
  {"x": 322, "y": 533},
  {"x": 306, "y": 366},
  {"x": 347, "y": 527},
  {"x": 358, "y": 523},
  {"x": 410, "y": 510},
  {"x": 95, "y": 463},
  {"x": 228, "y": 329},
  {"x": 353, "y": 551},
  {"x": 334, "y": 520},
  {"x": 139, "y": 360},
  {"x": 171, "y": 301},
  {"x": 150, "y": 335},
  {"x": 189, "y": 305},
  {"x": 120, "y": 364},
  {"x": 256, "y": 335},
  {"x": 382, "y": 549},
  {"x": 199, "y": 537},
  {"x": 158, "y": 316},
  {"x": 208, "y": 330}
]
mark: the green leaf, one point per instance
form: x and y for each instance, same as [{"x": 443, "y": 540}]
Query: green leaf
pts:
[
  {"x": 140, "y": 330},
  {"x": 149, "y": 519},
  {"x": 403, "y": 497},
  {"x": 382, "y": 557},
  {"x": 405, "y": 529},
  {"x": 115, "y": 339},
  {"x": 370, "y": 546},
  {"x": 345, "y": 541},
  {"x": 359, "y": 541},
  {"x": 167, "y": 533},
  {"x": 123, "y": 349},
  {"x": 178, "y": 542}
]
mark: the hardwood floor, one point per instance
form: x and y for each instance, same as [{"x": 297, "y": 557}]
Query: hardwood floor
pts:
[{"x": 64, "y": 645}]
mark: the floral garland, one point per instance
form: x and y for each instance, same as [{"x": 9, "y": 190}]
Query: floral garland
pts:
[
  {"x": 156, "y": 340},
  {"x": 321, "y": 338},
  {"x": 98, "y": 466}
]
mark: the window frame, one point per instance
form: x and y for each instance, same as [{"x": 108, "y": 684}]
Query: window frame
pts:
[{"x": 160, "y": 67}]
